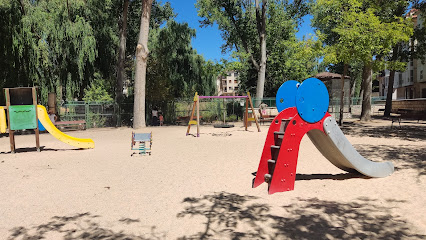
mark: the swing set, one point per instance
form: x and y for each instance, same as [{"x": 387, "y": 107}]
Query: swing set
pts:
[{"x": 196, "y": 109}]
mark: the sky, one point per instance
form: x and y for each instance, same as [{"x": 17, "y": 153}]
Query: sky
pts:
[{"x": 208, "y": 39}]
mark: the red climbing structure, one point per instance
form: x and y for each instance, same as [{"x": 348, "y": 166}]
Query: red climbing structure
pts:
[
  {"x": 278, "y": 163},
  {"x": 303, "y": 108}
]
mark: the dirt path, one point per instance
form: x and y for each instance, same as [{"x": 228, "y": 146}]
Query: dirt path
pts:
[{"x": 200, "y": 188}]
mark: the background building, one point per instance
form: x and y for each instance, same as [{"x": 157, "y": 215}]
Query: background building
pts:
[
  {"x": 411, "y": 83},
  {"x": 228, "y": 85}
]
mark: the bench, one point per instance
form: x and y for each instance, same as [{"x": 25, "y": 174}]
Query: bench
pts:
[
  {"x": 80, "y": 124},
  {"x": 408, "y": 114},
  {"x": 412, "y": 114},
  {"x": 265, "y": 118},
  {"x": 395, "y": 117}
]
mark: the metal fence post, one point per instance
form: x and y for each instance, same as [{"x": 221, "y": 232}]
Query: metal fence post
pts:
[
  {"x": 118, "y": 114},
  {"x": 86, "y": 114}
]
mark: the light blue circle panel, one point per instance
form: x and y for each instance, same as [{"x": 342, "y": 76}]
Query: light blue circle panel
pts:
[
  {"x": 286, "y": 95},
  {"x": 312, "y": 100}
]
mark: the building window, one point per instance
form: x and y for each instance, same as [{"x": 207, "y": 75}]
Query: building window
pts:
[
  {"x": 225, "y": 90},
  {"x": 236, "y": 81},
  {"x": 411, "y": 63},
  {"x": 229, "y": 74},
  {"x": 400, "y": 79},
  {"x": 411, "y": 75},
  {"x": 230, "y": 81},
  {"x": 236, "y": 74},
  {"x": 421, "y": 74},
  {"x": 230, "y": 88}
]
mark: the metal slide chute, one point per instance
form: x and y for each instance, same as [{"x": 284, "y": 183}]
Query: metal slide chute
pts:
[
  {"x": 340, "y": 152},
  {"x": 48, "y": 125}
]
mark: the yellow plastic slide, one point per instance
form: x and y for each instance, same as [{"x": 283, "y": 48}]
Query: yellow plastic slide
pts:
[
  {"x": 3, "y": 124},
  {"x": 76, "y": 142}
]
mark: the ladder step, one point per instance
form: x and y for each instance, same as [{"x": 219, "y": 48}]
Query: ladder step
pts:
[
  {"x": 192, "y": 122},
  {"x": 278, "y": 138},
  {"x": 250, "y": 119},
  {"x": 271, "y": 166},
  {"x": 275, "y": 151}
]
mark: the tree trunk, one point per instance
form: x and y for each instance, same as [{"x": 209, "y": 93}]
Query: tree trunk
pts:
[
  {"x": 352, "y": 92},
  {"x": 366, "y": 96},
  {"x": 342, "y": 94},
  {"x": 141, "y": 62},
  {"x": 262, "y": 71},
  {"x": 261, "y": 30},
  {"x": 388, "y": 106},
  {"x": 121, "y": 53}
]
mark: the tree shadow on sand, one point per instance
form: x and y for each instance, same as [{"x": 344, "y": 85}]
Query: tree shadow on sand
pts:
[
  {"x": 224, "y": 212},
  {"x": 407, "y": 131},
  {"x": 42, "y": 148},
  {"x": 232, "y": 216},
  {"x": 404, "y": 156},
  {"x": 80, "y": 226},
  {"x": 338, "y": 177}
]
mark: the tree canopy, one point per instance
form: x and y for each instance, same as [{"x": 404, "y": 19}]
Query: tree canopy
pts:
[
  {"x": 286, "y": 56},
  {"x": 67, "y": 47},
  {"x": 353, "y": 31}
]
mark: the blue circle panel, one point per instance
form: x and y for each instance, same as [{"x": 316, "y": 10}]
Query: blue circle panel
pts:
[
  {"x": 286, "y": 95},
  {"x": 312, "y": 100}
]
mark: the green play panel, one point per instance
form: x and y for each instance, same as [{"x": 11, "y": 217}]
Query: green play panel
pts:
[{"x": 23, "y": 117}]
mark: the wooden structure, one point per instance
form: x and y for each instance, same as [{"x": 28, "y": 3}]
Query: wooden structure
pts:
[
  {"x": 21, "y": 105},
  {"x": 51, "y": 102},
  {"x": 196, "y": 109}
]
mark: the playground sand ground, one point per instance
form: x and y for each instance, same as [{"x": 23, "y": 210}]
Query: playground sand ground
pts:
[{"x": 200, "y": 188}]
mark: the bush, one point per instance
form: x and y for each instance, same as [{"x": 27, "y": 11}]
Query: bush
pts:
[
  {"x": 95, "y": 121},
  {"x": 232, "y": 118},
  {"x": 98, "y": 91}
]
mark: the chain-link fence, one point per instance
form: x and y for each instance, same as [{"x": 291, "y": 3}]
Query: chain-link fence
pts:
[
  {"x": 111, "y": 114},
  {"x": 96, "y": 114},
  {"x": 178, "y": 111}
]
